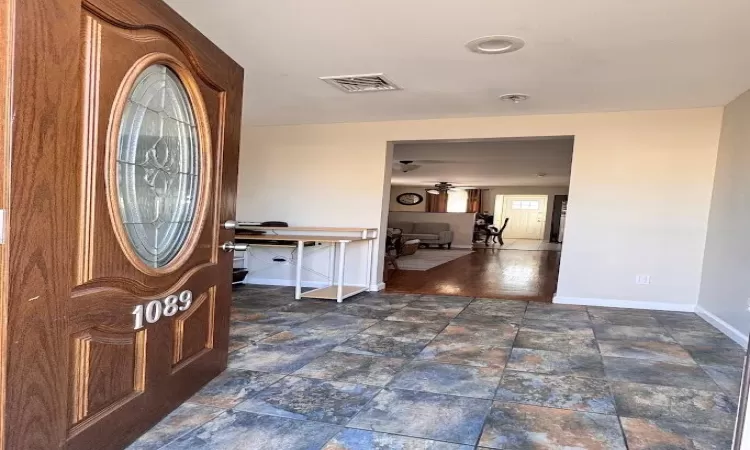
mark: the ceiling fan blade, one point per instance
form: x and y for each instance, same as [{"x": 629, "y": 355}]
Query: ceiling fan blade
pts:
[{"x": 440, "y": 161}]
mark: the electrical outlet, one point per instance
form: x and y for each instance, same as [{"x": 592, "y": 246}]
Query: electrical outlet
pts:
[{"x": 643, "y": 279}]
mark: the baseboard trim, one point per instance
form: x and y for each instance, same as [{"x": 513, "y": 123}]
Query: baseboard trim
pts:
[
  {"x": 377, "y": 287},
  {"x": 731, "y": 332},
  {"x": 614, "y": 303}
]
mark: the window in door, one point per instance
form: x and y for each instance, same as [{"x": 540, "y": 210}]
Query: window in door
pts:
[
  {"x": 158, "y": 166},
  {"x": 525, "y": 204}
]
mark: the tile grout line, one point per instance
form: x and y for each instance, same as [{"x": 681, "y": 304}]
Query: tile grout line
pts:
[
  {"x": 557, "y": 408},
  {"x": 502, "y": 376},
  {"x": 670, "y": 332},
  {"x": 609, "y": 385},
  {"x": 404, "y": 435},
  {"x": 343, "y": 425},
  {"x": 380, "y": 388},
  {"x": 414, "y": 358},
  {"x": 388, "y": 386},
  {"x": 224, "y": 411}
]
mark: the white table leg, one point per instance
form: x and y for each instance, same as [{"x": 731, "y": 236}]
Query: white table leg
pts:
[
  {"x": 332, "y": 263},
  {"x": 298, "y": 285},
  {"x": 368, "y": 264},
  {"x": 342, "y": 258}
]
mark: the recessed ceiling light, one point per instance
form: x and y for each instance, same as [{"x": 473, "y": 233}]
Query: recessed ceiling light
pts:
[
  {"x": 515, "y": 98},
  {"x": 495, "y": 45}
]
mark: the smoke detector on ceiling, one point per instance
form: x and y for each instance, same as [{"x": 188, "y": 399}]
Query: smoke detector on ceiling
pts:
[{"x": 374, "y": 82}]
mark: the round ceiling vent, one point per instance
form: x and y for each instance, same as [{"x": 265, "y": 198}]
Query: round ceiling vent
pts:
[{"x": 495, "y": 45}]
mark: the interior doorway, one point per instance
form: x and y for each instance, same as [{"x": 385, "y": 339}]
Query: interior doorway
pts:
[{"x": 448, "y": 203}]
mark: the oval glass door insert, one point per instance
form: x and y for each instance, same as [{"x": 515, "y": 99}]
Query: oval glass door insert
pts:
[{"x": 158, "y": 166}]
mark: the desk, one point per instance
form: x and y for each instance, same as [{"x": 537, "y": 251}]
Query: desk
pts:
[{"x": 338, "y": 238}]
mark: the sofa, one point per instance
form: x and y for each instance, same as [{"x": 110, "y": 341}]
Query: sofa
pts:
[{"x": 439, "y": 234}]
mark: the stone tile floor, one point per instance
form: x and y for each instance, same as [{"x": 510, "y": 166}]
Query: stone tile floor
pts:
[{"x": 393, "y": 371}]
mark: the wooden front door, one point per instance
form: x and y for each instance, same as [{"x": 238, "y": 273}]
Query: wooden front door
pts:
[{"x": 120, "y": 137}]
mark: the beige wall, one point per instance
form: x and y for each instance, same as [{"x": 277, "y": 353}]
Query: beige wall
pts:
[
  {"x": 725, "y": 284},
  {"x": 398, "y": 190},
  {"x": 462, "y": 224},
  {"x": 639, "y": 193}
]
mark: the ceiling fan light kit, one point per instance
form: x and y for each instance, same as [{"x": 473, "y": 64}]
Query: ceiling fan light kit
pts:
[
  {"x": 408, "y": 166},
  {"x": 441, "y": 187}
]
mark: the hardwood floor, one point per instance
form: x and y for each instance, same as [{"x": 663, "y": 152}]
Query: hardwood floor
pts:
[{"x": 489, "y": 273}]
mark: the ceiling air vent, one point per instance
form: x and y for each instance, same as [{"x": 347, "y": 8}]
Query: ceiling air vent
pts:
[{"x": 375, "y": 82}]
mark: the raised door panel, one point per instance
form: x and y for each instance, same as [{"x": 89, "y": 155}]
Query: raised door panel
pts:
[
  {"x": 193, "y": 331},
  {"x": 109, "y": 370}
]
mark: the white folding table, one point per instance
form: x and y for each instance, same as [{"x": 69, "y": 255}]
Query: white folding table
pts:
[{"x": 338, "y": 238}]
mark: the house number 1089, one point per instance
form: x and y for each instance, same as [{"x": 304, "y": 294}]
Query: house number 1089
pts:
[{"x": 156, "y": 309}]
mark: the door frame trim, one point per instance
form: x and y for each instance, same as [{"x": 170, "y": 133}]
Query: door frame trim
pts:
[{"x": 7, "y": 12}]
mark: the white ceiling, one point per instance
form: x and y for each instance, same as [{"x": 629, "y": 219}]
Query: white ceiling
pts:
[
  {"x": 509, "y": 162},
  {"x": 580, "y": 55}
]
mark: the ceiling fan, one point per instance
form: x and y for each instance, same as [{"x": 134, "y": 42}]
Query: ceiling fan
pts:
[
  {"x": 440, "y": 187},
  {"x": 444, "y": 186},
  {"x": 407, "y": 166}
]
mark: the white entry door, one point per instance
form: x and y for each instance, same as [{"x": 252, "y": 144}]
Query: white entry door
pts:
[{"x": 527, "y": 214}]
